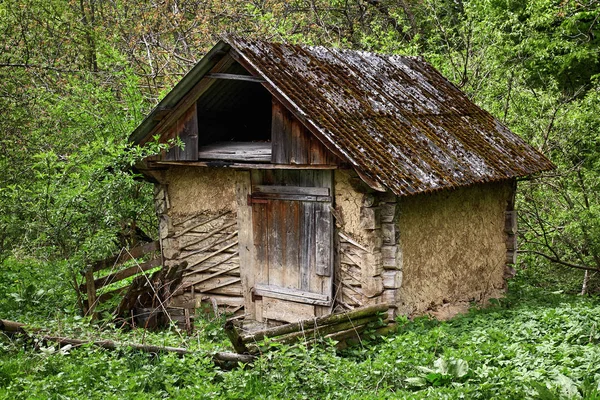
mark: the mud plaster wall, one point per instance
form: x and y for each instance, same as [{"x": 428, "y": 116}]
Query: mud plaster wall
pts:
[
  {"x": 348, "y": 201},
  {"x": 453, "y": 246},
  {"x": 197, "y": 190},
  {"x": 362, "y": 217}
]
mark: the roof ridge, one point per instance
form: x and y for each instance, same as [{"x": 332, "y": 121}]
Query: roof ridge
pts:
[{"x": 236, "y": 37}]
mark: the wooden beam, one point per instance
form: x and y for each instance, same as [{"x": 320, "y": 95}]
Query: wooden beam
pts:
[
  {"x": 211, "y": 255},
  {"x": 223, "y": 164},
  {"x": 298, "y": 296},
  {"x": 192, "y": 283},
  {"x": 245, "y": 239},
  {"x": 293, "y": 197},
  {"x": 210, "y": 266},
  {"x": 198, "y": 224},
  {"x": 236, "y": 151},
  {"x": 188, "y": 100},
  {"x": 218, "y": 285},
  {"x": 209, "y": 235},
  {"x": 11, "y": 326},
  {"x": 160, "y": 113},
  {"x": 235, "y": 77},
  {"x": 235, "y": 338},
  {"x": 301, "y": 190}
]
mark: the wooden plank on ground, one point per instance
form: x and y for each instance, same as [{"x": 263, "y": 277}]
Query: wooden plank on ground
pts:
[{"x": 312, "y": 322}]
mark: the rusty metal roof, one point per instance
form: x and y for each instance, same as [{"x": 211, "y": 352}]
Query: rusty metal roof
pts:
[{"x": 395, "y": 119}]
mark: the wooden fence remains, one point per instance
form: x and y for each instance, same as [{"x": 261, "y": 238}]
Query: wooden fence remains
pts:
[{"x": 117, "y": 273}]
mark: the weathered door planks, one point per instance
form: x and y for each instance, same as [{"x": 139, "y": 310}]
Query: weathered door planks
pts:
[{"x": 291, "y": 243}]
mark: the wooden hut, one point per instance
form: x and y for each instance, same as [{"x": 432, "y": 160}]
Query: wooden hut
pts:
[{"x": 316, "y": 179}]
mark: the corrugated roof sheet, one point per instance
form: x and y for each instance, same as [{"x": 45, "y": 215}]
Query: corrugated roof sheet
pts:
[{"x": 396, "y": 119}]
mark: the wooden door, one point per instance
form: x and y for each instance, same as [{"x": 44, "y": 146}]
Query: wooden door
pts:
[{"x": 293, "y": 244}]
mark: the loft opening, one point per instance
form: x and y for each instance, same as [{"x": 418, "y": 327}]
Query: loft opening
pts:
[{"x": 234, "y": 117}]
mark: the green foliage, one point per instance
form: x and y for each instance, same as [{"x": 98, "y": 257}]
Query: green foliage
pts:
[
  {"x": 76, "y": 78},
  {"x": 35, "y": 291},
  {"x": 534, "y": 344}
]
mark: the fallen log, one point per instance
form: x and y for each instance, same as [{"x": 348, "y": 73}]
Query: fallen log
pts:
[
  {"x": 234, "y": 337},
  {"x": 337, "y": 326},
  {"x": 338, "y": 332},
  {"x": 11, "y": 326},
  {"x": 220, "y": 358},
  {"x": 324, "y": 330},
  {"x": 321, "y": 321}
]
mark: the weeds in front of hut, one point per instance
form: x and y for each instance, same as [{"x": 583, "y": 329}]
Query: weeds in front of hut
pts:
[{"x": 532, "y": 344}]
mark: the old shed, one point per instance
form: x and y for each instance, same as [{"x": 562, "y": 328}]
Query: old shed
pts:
[{"x": 314, "y": 179}]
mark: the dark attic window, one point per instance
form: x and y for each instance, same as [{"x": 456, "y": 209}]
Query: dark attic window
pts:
[{"x": 234, "y": 111}]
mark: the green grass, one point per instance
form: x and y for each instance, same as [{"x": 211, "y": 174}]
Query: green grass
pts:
[{"x": 533, "y": 344}]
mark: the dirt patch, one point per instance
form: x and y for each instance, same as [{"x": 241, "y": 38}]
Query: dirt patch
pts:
[
  {"x": 448, "y": 311},
  {"x": 453, "y": 246}
]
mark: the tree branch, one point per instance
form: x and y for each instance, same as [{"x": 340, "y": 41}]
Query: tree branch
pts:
[
  {"x": 44, "y": 67},
  {"x": 559, "y": 261},
  {"x": 385, "y": 12}
]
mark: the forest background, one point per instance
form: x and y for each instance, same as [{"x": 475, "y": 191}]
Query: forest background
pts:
[{"x": 76, "y": 77}]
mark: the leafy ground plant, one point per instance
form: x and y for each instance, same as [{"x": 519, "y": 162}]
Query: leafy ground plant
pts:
[{"x": 534, "y": 344}]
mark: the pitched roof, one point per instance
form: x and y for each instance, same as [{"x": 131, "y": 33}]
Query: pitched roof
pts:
[{"x": 395, "y": 119}]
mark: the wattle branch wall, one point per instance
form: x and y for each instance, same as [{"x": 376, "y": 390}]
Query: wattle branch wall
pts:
[{"x": 198, "y": 225}]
